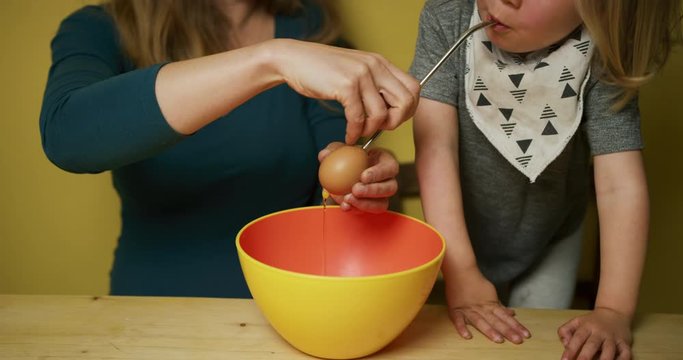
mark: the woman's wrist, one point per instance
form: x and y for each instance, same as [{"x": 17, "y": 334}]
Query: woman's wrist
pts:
[{"x": 269, "y": 58}]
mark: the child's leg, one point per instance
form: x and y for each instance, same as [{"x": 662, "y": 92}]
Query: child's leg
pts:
[{"x": 551, "y": 283}]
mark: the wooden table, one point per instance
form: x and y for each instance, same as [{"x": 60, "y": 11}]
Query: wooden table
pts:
[{"x": 86, "y": 327}]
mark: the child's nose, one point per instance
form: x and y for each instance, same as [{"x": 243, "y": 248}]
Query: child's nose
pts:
[{"x": 513, "y": 3}]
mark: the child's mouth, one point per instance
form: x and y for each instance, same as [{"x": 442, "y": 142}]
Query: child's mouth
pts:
[{"x": 498, "y": 26}]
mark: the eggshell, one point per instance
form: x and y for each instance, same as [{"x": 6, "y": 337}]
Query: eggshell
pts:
[{"x": 342, "y": 168}]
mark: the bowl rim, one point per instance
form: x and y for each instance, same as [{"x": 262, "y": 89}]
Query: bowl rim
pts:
[{"x": 415, "y": 269}]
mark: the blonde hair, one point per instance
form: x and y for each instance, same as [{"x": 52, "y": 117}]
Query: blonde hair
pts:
[
  {"x": 633, "y": 39},
  {"x": 153, "y": 31}
]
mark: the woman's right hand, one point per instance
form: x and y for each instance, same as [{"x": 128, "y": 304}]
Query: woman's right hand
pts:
[
  {"x": 472, "y": 300},
  {"x": 375, "y": 93}
]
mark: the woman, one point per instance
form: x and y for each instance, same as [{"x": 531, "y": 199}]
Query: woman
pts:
[{"x": 186, "y": 103}]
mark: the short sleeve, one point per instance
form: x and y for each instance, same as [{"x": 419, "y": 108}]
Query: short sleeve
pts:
[
  {"x": 437, "y": 25},
  {"x": 608, "y": 131}
]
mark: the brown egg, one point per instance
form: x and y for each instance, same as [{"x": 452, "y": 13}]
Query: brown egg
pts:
[{"x": 342, "y": 168}]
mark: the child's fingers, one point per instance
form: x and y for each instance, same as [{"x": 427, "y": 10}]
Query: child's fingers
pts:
[
  {"x": 458, "y": 319},
  {"x": 575, "y": 343},
  {"x": 484, "y": 326},
  {"x": 504, "y": 314},
  {"x": 567, "y": 330},
  {"x": 624, "y": 351},
  {"x": 500, "y": 323},
  {"x": 609, "y": 350},
  {"x": 591, "y": 347}
]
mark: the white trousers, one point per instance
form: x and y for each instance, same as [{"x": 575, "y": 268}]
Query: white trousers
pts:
[{"x": 549, "y": 284}]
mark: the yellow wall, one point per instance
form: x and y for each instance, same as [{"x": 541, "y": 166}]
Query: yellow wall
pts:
[
  {"x": 58, "y": 230},
  {"x": 662, "y": 119}
]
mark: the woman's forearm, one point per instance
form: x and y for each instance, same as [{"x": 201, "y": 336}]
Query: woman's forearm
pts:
[{"x": 193, "y": 93}]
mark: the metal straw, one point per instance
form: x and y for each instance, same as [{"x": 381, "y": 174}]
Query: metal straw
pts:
[{"x": 457, "y": 44}]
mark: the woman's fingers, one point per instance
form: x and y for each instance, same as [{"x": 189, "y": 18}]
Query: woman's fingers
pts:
[
  {"x": 403, "y": 99},
  {"x": 354, "y": 111},
  {"x": 379, "y": 190},
  {"x": 329, "y": 149},
  {"x": 375, "y": 94},
  {"x": 379, "y": 180},
  {"x": 383, "y": 166},
  {"x": 387, "y": 101},
  {"x": 374, "y": 206},
  {"x": 377, "y": 184},
  {"x": 374, "y": 104}
]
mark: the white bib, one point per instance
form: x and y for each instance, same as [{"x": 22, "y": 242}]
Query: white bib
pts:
[{"x": 527, "y": 107}]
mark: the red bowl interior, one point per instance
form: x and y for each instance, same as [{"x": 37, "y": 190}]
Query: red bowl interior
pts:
[{"x": 353, "y": 244}]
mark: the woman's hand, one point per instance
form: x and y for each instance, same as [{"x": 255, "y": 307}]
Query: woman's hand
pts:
[
  {"x": 604, "y": 334},
  {"x": 375, "y": 93},
  {"x": 472, "y": 300},
  {"x": 377, "y": 182}
]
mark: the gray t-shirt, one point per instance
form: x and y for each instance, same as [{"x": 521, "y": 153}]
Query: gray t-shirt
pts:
[{"x": 511, "y": 221}]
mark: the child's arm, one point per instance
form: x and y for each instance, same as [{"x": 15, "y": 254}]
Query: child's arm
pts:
[
  {"x": 623, "y": 209},
  {"x": 472, "y": 299}
]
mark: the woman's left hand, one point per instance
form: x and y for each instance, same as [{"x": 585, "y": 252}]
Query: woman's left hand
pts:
[
  {"x": 603, "y": 334},
  {"x": 377, "y": 182}
]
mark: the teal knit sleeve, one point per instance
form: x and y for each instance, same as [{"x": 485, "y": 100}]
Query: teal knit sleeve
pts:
[{"x": 96, "y": 114}]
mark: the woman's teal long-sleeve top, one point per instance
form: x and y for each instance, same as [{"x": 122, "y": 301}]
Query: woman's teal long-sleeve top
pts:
[{"x": 183, "y": 198}]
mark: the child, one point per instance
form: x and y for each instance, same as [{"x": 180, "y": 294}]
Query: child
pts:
[{"x": 505, "y": 133}]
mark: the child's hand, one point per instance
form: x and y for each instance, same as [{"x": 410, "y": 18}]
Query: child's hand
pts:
[
  {"x": 604, "y": 331},
  {"x": 472, "y": 300}
]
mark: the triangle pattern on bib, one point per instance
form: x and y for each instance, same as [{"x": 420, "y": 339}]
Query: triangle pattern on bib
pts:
[
  {"x": 541, "y": 64},
  {"x": 516, "y": 79},
  {"x": 508, "y": 128},
  {"x": 518, "y": 95},
  {"x": 524, "y": 144},
  {"x": 506, "y": 113},
  {"x": 528, "y": 107},
  {"x": 548, "y": 113},
  {"x": 483, "y": 101},
  {"x": 501, "y": 65},
  {"x": 479, "y": 85},
  {"x": 549, "y": 129},
  {"x": 524, "y": 160},
  {"x": 568, "y": 92},
  {"x": 488, "y": 45},
  {"x": 583, "y": 47},
  {"x": 566, "y": 75}
]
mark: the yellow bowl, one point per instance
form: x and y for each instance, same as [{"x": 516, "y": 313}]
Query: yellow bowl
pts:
[{"x": 344, "y": 291}]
